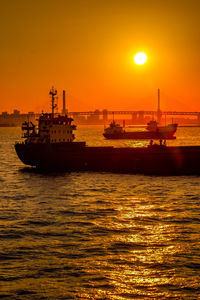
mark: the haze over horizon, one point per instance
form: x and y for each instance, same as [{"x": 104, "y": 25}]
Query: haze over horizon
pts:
[{"x": 87, "y": 48}]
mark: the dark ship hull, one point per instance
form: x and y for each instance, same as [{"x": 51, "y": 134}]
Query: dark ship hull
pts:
[
  {"x": 140, "y": 135},
  {"x": 153, "y": 132},
  {"x": 75, "y": 156}
]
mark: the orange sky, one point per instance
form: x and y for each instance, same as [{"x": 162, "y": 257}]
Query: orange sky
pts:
[{"x": 87, "y": 48}]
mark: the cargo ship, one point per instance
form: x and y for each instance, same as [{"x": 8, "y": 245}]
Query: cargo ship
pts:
[
  {"x": 51, "y": 147},
  {"x": 152, "y": 132}
]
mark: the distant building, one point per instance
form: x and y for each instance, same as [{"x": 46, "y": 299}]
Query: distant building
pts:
[
  {"x": 16, "y": 112},
  {"x": 15, "y": 119}
]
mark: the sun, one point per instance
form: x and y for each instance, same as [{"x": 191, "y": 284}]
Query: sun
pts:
[{"x": 140, "y": 58}]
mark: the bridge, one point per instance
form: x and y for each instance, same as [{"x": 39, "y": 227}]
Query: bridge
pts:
[
  {"x": 135, "y": 112},
  {"x": 136, "y": 115}
]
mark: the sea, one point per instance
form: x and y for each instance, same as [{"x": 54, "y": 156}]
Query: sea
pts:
[{"x": 93, "y": 235}]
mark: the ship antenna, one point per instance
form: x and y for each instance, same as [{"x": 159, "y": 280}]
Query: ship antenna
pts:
[{"x": 53, "y": 93}]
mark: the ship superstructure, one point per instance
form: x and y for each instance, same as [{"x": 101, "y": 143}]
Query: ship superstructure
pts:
[{"x": 52, "y": 128}]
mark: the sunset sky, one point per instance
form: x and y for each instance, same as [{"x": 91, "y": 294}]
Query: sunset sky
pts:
[{"x": 87, "y": 48}]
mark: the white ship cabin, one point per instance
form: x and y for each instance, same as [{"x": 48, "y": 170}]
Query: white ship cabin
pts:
[
  {"x": 52, "y": 130},
  {"x": 57, "y": 129}
]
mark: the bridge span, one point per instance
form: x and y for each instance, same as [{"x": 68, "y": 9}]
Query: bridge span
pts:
[{"x": 135, "y": 112}]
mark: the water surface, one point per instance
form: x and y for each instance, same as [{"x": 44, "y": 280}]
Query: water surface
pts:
[{"x": 97, "y": 235}]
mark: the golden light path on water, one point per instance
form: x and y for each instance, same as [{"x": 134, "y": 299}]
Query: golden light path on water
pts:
[
  {"x": 97, "y": 235},
  {"x": 153, "y": 249}
]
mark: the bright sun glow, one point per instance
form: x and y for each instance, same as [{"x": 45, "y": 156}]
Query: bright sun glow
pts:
[{"x": 140, "y": 58}]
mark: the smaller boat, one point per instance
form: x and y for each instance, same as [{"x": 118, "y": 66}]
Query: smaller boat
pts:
[{"x": 152, "y": 132}]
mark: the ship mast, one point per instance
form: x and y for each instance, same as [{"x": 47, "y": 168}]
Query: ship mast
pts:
[{"x": 53, "y": 93}]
